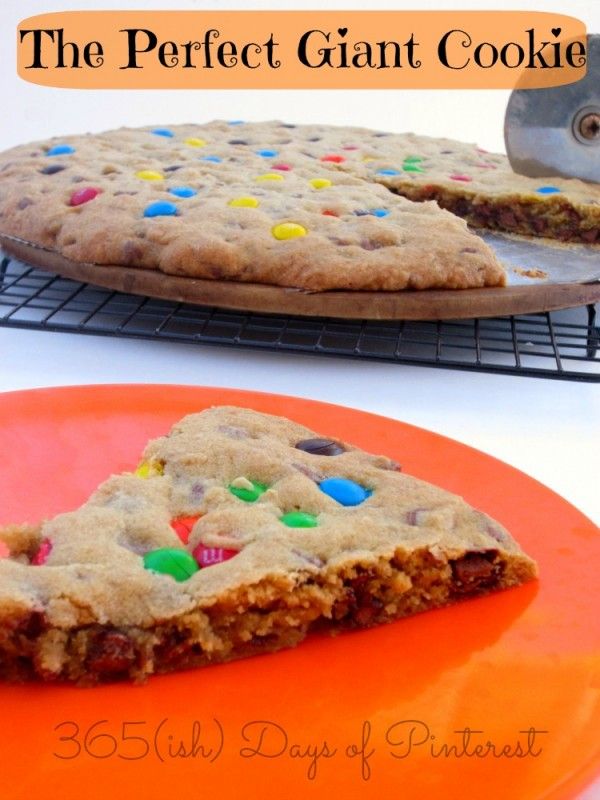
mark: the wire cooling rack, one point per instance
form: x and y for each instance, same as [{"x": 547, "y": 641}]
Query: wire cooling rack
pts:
[{"x": 560, "y": 344}]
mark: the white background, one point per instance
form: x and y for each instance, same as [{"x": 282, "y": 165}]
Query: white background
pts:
[{"x": 547, "y": 428}]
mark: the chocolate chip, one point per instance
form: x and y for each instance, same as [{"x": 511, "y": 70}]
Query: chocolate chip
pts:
[
  {"x": 314, "y": 139},
  {"x": 320, "y": 447},
  {"x": 475, "y": 571},
  {"x": 237, "y": 141},
  {"x": 173, "y": 168},
  {"x": 286, "y": 125},
  {"x": 111, "y": 652},
  {"x": 52, "y": 169},
  {"x": 359, "y": 607},
  {"x": 24, "y": 202}
]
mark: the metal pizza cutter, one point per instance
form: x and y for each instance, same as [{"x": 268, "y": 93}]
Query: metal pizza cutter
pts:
[
  {"x": 553, "y": 132},
  {"x": 556, "y": 131}
]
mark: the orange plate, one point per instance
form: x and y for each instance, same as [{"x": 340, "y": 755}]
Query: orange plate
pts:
[{"x": 290, "y": 725}]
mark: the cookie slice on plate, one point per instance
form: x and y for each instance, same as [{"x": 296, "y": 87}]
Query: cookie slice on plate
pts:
[
  {"x": 196, "y": 204},
  {"x": 238, "y": 534}
]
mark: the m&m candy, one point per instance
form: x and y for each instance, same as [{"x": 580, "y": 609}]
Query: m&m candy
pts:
[
  {"x": 42, "y": 554},
  {"x": 163, "y": 132},
  {"x": 548, "y": 190},
  {"x": 458, "y": 176},
  {"x": 52, "y": 169},
  {"x": 344, "y": 491},
  {"x": 149, "y": 469},
  {"x": 161, "y": 208},
  {"x": 60, "y": 150},
  {"x": 183, "y": 191},
  {"x": 288, "y": 230},
  {"x": 269, "y": 176},
  {"x": 193, "y": 142},
  {"x": 209, "y": 556},
  {"x": 248, "y": 491},
  {"x": 244, "y": 202},
  {"x": 81, "y": 196},
  {"x": 183, "y": 527},
  {"x": 299, "y": 519},
  {"x": 388, "y": 172},
  {"x": 320, "y": 447},
  {"x": 334, "y": 158},
  {"x": 212, "y": 159},
  {"x": 149, "y": 175},
  {"x": 266, "y": 153},
  {"x": 320, "y": 183},
  {"x": 179, "y": 564}
]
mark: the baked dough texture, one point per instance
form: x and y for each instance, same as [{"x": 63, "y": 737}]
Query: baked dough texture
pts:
[
  {"x": 259, "y": 202},
  {"x": 281, "y": 552}
]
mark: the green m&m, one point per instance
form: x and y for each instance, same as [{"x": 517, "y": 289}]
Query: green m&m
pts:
[
  {"x": 177, "y": 563},
  {"x": 248, "y": 491},
  {"x": 299, "y": 519}
]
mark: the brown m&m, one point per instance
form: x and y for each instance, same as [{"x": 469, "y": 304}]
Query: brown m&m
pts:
[{"x": 321, "y": 447}]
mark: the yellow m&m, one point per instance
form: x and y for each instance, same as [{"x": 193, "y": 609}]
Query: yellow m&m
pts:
[
  {"x": 244, "y": 202},
  {"x": 270, "y": 176},
  {"x": 193, "y": 142},
  {"x": 320, "y": 183},
  {"x": 149, "y": 469},
  {"x": 288, "y": 230},
  {"x": 149, "y": 175}
]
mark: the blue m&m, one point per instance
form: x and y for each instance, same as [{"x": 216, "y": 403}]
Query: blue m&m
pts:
[
  {"x": 183, "y": 191},
  {"x": 379, "y": 212},
  {"x": 548, "y": 190},
  {"x": 345, "y": 491},
  {"x": 163, "y": 132},
  {"x": 161, "y": 208},
  {"x": 266, "y": 153},
  {"x": 212, "y": 159},
  {"x": 60, "y": 150},
  {"x": 388, "y": 172}
]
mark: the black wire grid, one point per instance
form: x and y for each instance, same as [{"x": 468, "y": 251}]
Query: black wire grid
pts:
[{"x": 560, "y": 344}]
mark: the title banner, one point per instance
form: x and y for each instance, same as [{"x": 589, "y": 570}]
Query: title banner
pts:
[{"x": 301, "y": 49}]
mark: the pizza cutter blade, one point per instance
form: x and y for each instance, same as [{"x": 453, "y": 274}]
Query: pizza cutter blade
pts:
[{"x": 556, "y": 131}]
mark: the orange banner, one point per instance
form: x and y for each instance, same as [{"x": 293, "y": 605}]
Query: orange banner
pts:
[{"x": 301, "y": 49}]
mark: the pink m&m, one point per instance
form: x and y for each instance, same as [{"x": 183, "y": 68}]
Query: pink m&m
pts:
[
  {"x": 81, "y": 196},
  {"x": 281, "y": 167},
  {"x": 459, "y": 177},
  {"x": 42, "y": 554},
  {"x": 209, "y": 556}
]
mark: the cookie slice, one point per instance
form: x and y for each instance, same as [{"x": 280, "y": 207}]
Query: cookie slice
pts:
[
  {"x": 197, "y": 203},
  {"x": 478, "y": 186},
  {"x": 238, "y": 533}
]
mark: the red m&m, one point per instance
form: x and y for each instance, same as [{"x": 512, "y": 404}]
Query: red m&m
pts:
[
  {"x": 43, "y": 552},
  {"x": 81, "y": 196},
  {"x": 209, "y": 556},
  {"x": 183, "y": 527}
]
